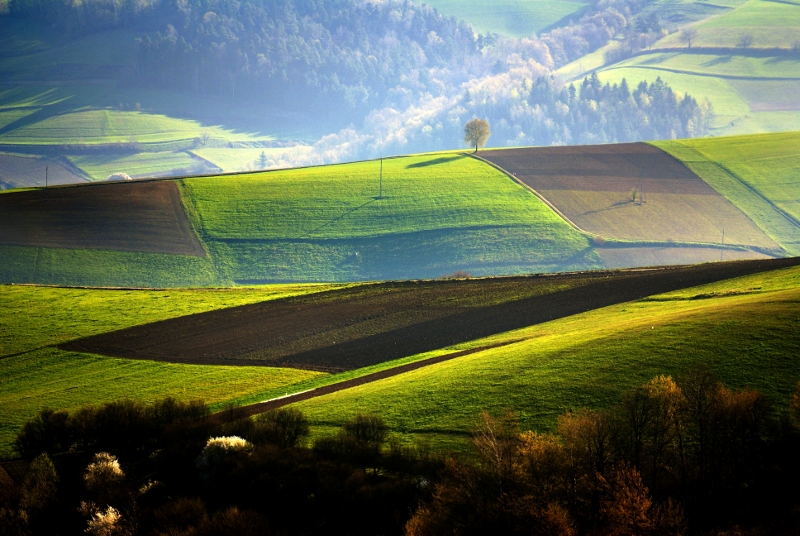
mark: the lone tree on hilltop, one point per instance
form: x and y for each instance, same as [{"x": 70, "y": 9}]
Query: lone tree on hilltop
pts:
[{"x": 476, "y": 132}]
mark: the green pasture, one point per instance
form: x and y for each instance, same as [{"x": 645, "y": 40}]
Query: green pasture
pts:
[
  {"x": 743, "y": 328},
  {"x": 438, "y": 213},
  {"x": 760, "y": 69},
  {"x": 108, "y": 126},
  {"x": 103, "y": 268},
  {"x": 99, "y": 167},
  {"x": 770, "y": 23},
  {"x": 35, "y": 374},
  {"x": 516, "y": 18},
  {"x": 759, "y": 173}
]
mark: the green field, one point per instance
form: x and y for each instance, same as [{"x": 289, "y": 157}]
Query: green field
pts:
[
  {"x": 439, "y": 213},
  {"x": 516, "y": 18},
  {"x": 35, "y": 374},
  {"x": 760, "y": 174},
  {"x": 99, "y": 167},
  {"x": 743, "y": 328},
  {"x": 770, "y": 23}
]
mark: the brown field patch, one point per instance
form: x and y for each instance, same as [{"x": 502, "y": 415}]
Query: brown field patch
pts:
[
  {"x": 353, "y": 328},
  {"x": 617, "y": 257},
  {"x": 139, "y": 216},
  {"x": 24, "y": 171},
  {"x": 592, "y": 185}
]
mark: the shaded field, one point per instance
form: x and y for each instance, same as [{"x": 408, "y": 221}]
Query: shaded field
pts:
[
  {"x": 745, "y": 329},
  {"x": 148, "y": 165},
  {"x": 144, "y": 217},
  {"x": 594, "y": 187},
  {"x": 353, "y": 328},
  {"x": 621, "y": 257},
  {"x": 23, "y": 171}
]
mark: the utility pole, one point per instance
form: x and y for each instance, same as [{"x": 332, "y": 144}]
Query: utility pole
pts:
[
  {"x": 723, "y": 243},
  {"x": 380, "y": 183},
  {"x": 45, "y": 175}
]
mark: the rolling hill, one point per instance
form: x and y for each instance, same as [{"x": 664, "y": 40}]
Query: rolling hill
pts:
[
  {"x": 531, "y": 210},
  {"x": 743, "y": 57}
]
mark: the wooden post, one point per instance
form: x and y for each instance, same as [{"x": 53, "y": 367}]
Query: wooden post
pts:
[{"x": 380, "y": 187}]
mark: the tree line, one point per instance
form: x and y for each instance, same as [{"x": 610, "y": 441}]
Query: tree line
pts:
[{"x": 672, "y": 457}]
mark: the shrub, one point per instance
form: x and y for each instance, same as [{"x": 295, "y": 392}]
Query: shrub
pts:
[
  {"x": 119, "y": 177},
  {"x": 104, "y": 523},
  {"x": 48, "y": 432},
  {"x": 282, "y": 427},
  {"x": 103, "y": 472},
  {"x": 218, "y": 448}
]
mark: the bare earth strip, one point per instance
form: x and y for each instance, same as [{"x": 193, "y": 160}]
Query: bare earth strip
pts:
[
  {"x": 141, "y": 216},
  {"x": 353, "y": 328},
  {"x": 593, "y": 187}
]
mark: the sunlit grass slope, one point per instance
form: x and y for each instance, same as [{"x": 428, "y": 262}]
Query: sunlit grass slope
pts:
[
  {"x": 744, "y": 328},
  {"x": 37, "y": 375},
  {"x": 760, "y": 174},
  {"x": 438, "y": 213}
]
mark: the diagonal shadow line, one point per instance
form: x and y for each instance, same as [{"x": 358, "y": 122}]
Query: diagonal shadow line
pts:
[
  {"x": 339, "y": 218},
  {"x": 621, "y": 204},
  {"x": 45, "y": 112}
]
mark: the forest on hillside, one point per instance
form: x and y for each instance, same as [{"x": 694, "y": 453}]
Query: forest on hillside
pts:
[{"x": 402, "y": 75}]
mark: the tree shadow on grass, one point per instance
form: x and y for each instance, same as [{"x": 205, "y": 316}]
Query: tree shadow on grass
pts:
[{"x": 435, "y": 161}]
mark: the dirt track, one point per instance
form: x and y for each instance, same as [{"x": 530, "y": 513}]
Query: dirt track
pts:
[
  {"x": 593, "y": 185},
  {"x": 142, "y": 216},
  {"x": 353, "y": 328}
]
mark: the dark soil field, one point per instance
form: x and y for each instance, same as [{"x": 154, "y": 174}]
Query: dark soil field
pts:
[
  {"x": 594, "y": 186},
  {"x": 361, "y": 326},
  {"x": 141, "y": 216}
]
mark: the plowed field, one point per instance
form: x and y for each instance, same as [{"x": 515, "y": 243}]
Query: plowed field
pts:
[
  {"x": 594, "y": 187},
  {"x": 353, "y": 328},
  {"x": 144, "y": 216}
]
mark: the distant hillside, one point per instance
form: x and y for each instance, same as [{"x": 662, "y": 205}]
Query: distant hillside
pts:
[{"x": 742, "y": 56}]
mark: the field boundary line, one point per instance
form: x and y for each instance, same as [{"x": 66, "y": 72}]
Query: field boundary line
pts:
[
  {"x": 708, "y": 75},
  {"x": 275, "y": 403},
  {"x": 542, "y": 198}
]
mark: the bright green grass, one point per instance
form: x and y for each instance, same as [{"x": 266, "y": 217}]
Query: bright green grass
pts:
[
  {"x": 99, "y": 167},
  {"x": 94, "y": 267},
  {"x": 65, "y": 380},
  {"x": 767, "y": 164},
  {"x": 771, "y": 23},
  {"x": 109, "y": 126},
  {"x": 10, "y": 116},
  {"x": 517, "y": 18},
  {"x": 241, "y": 159},
  {"x": 439, "y": 213},
  {"x": 36, "y": 375},
  {"x": 747, "y": 333}
]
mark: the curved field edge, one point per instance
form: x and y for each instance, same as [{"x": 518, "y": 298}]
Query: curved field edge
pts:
[
  {"x": 744, "y": 328},
  {"x": 758, "y": 174}
]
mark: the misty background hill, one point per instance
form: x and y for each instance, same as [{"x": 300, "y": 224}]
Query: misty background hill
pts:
[{"x": 172, "y": 87}]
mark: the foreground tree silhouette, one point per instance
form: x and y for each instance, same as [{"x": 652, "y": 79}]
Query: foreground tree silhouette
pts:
[{"x": 476, "y": 132}]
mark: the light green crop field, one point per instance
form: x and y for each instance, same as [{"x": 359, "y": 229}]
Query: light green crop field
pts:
[
  {"x": 99, "y": 167},
  {"x": 37, "y": 375},
  {"x": 108, "y": 126},
  {"x": 516, "y": 18},
  {"x": 438, "y": 213},
  {"x": 770, "y": 23},
  {"x": 760, "y": 174},
  {"x": 744, "y": 328}
]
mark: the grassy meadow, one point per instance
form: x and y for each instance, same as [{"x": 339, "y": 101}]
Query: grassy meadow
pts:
[{"x": 743, "y": 328}]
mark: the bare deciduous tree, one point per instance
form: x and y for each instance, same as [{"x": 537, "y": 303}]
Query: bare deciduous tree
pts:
[
  {"x": 476, "y": 132},
  {"x": 687, "y": 35}
]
